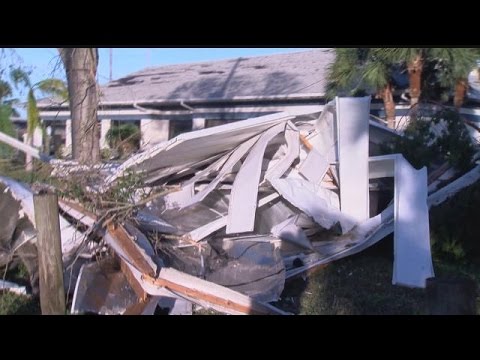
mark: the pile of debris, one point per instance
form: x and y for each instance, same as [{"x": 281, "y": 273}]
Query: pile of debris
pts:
[{"x": 236, "y": 210}]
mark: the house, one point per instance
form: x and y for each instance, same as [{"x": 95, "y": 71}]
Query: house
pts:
[{"x": 165, "y": 101}]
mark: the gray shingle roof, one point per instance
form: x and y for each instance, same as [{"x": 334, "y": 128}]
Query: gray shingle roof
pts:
[{"x": 284, "y": 74}]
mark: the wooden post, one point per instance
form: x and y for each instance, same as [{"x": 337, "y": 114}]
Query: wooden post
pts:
[
  {"x": 451, "y": 296},
  {"x": 52, "y": 294}
]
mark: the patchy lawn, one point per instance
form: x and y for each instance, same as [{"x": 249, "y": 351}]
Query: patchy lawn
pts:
[
  {"x": 362, "y": 285},
  {"x": 357, "y": 285},
  {"x": 12, "y": 304}
]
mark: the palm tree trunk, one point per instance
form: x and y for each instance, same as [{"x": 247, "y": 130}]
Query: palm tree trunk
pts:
[
  {"x": 81, "y": 67},
  {"x": 461, "y": 87},
  {"x": 389, "y": 105},
  {"x": 415, "y": 68}
]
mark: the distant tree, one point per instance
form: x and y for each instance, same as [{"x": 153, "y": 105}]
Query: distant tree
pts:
[
  {"x": 53, "y": 87},
  {"x": 6, "y": 127},
  {"x": 360, "y": 69},
  {"x": 6, "y": 112},
  {"x": 81, "y": 68},
  {"x": 452, "y": 66},
  {"x": 414, "y": 61},
  {"x": 374, "y": 68}
]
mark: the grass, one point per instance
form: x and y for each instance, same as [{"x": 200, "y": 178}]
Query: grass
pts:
[
  {"x": 13, "y": 304},
  {"x": 362, "y": 285},
  {"x": 10, "y": 303},
  {"x": 358, "y": 285},
  {"x": 17, "y": 171}
]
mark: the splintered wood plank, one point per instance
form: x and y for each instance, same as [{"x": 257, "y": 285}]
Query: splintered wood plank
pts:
[
  {"x": 137, "y": 309},
  {"x": 328, "y": 177},
  {"x": 209, "y": 292},
  {"x": 136, "y": 286},
  {"x": 129, "y": 249}
]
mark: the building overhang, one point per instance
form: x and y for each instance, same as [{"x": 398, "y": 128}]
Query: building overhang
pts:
[{"x": 236, "y": 108}]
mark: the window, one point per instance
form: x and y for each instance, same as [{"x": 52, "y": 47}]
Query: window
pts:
[{"x": 178, "y": 127}]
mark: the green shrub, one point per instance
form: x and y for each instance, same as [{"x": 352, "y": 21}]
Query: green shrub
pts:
[
  {"x": 6, "y": 127},
  {"x": 125, "y": 138},
  {"x": 126, "y": 187},
  {"x": 421, "y": 146},
  {"x": 454, "y": 226}
]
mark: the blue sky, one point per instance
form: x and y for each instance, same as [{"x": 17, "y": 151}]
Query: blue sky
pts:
[{"x": 43, "y": 61}]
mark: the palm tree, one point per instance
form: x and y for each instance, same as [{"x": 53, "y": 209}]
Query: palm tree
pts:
[
  {"x": 414, "y": 60},
  {"x": 455, "y": 64},
  {"x": 355, "y": 69},
  {"x": 54, "y": 87},
  {"x": 6, "y": 111}
]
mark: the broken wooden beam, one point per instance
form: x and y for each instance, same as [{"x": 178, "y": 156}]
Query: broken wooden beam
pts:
[
  {"x": 126, "y": 248},
  {"x": 219, "y": 297},
  {"x": 171, "y": 281},
  {"x": 137, "y": 309},
  {"x": 136, "y": 286}
]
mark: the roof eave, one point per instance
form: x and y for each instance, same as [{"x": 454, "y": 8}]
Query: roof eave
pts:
[{"x": 306, "y": 96}]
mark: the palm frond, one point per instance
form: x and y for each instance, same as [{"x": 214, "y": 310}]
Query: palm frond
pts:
[
  {"x": 401, "y": 55},
  {"x": 5, "y": 89},
  {"x": 376, "y": 74},
  {"x": 20, "y": 76},
  {"x": 6, "y": 127},
  {"x": 453, "y": 64},
  {"x": 55, "y": 87},
  {"x": 345, "y": 72},
  {"x": 33, "y": 116}
]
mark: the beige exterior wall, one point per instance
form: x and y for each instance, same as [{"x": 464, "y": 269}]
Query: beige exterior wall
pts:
[
  {"x": 105, "y": 125},
  {"x": 153, "y": 132}
]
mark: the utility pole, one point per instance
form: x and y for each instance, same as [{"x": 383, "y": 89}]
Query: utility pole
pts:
[{"x": 111, "y": 61}]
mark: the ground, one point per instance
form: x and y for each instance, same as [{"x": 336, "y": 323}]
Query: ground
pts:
[
  {"x": 12, "y": 304},
  {"x": 362, "y": 285},
  {"x": 359, "y": 284}
]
